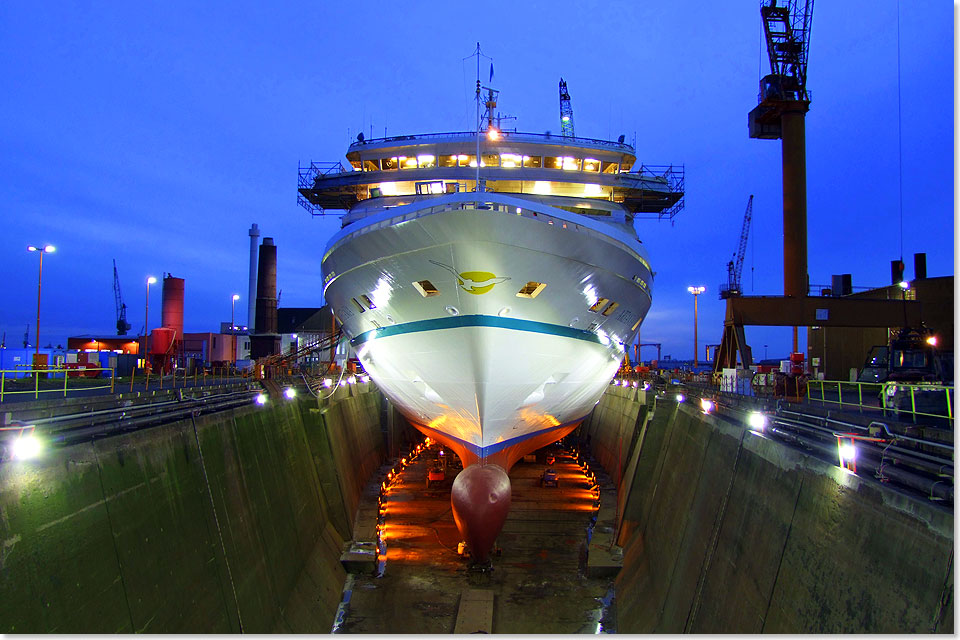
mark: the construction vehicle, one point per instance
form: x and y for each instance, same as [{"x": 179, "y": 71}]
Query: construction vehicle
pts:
[
  {"x": 733, "y": 287},
  {"x": 122, "y": 325},
  {"x": 911, "y": 356}
]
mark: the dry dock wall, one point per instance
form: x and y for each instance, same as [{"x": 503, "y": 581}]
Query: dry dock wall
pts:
[
  {"x": 727, "y": 532},
  {"x": 226, "y": 523}
]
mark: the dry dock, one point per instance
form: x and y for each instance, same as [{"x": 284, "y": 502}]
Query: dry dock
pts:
[{"x": 540, "y": 582}]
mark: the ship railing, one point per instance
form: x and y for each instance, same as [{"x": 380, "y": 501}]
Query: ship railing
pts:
[
  {"x": 487, "y": 205},
  {"x": 504, "y": 135}
]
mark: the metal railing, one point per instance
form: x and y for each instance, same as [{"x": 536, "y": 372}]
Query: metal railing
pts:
[
  {"x": 52, "y": 373},
  {"x": 902, "y": 399}
]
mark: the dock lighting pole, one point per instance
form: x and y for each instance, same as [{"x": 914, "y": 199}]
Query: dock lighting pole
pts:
[
  {"x": 233, "y": 326},
  {"x": 146, "y": 315},
  {"x": 696, "y": 291},
  {"x": 47, "y": 248}
]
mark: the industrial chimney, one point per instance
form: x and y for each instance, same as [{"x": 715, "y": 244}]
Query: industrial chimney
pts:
[
  {"x": 254, "y": 234},
  {"x": 266, "y": 340},
  {"x": 920, "y": 266}
]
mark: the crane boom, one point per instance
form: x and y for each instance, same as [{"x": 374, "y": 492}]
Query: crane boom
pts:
[
  {"x": 122, "y": 325},
  {"x": 566, "y": 111},
  {"x": 735, "y": 266}
]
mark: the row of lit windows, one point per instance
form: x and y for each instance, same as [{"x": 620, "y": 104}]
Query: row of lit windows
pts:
[{"x": 503, "y": 160}]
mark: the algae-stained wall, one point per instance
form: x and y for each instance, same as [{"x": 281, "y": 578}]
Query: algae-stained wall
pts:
[
  {"x": 215, "y": 525},
  {"x": 725, "y": 531}
]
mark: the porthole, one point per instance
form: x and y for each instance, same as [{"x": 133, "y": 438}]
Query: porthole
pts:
[
  {"x": 367, "y": 301},
  {"x": 426, "y": 288},
  {"x": 531, "y": 289},
  {"x": 598, "y": 304},
  {"x": 574, "y": 322},
  {"x": 611, "y": 308},
  {"x": 358, "y": 306},
  {"x": 503, "y": 313},
  {"x": 452, "y": 311}
]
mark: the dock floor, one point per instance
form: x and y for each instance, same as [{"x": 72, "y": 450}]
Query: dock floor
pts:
[{"x": 539, "y": 582}]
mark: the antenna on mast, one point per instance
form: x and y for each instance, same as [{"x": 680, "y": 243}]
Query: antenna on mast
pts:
[{"x": 478, "y": 53}]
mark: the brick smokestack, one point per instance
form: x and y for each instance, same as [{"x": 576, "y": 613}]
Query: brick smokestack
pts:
[{"x": 266, "y": 340}]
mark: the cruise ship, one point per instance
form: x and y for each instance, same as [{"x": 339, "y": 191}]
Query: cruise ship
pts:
[{"x": 490, "y": 282}]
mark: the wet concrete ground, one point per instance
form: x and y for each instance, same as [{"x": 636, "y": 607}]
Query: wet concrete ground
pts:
[{"x": 539, "y": 580}]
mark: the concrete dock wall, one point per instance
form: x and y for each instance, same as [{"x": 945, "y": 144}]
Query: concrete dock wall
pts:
[
  {"x": 225, "y": 523},
  {"x": 725, "y": 531}
]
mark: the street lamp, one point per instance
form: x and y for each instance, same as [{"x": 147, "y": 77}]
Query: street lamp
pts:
[
  {"x": 47, "y": 248},
  {"x": 696, "y": 291},
  {"x": 233, "y": 327},
  {"x": 146, "y": 315}
]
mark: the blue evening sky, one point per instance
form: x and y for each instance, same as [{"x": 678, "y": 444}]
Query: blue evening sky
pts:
[{"x": 157, "y": 132}]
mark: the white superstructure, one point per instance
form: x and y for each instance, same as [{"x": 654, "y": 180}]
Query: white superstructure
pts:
[{"x": 492, "y": 319}]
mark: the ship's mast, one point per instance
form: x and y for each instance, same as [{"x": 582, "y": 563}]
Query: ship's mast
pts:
[{"x": 478, "y": 53}]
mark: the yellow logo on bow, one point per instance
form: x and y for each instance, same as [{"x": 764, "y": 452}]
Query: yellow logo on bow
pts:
[{"x": 475, "y": 282}]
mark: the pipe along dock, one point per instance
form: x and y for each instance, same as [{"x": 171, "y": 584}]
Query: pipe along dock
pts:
[{"x": 262, "y": 519}]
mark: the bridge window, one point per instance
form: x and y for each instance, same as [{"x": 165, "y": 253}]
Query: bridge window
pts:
[
  {"x": 355, "y": 164},
  {"x": 389, "y": 164},
  {"x": 609, "y": 167},
  {"x": 551, "y": 162},
  {"x": 490, "y": 160},
  {"x": 426, "y": 161},
  {"x": 534, "y": 162},
  {"x": 589, "y": 164},
  {"x": 467, "y": 160},
  {"x": 571, "y": 164},
  {"x": 448, "y": 161},
  {"x": 531, "y": 289},
  {"x": 408, "y": 163},
  {"x": 510, "y": 160},
  {"x": 371, "y": 165},
  {"x": 426, "y": 288}
]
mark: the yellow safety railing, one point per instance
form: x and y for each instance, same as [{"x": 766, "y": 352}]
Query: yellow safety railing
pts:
[
  {"x": 919, "y": 399},
  {"x": 913, "y": 399},
  {"x": 864, "y": 395},
  {"x": 52, "y": 374}
]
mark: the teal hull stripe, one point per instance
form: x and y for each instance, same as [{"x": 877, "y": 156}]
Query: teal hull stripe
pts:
[{"x": 454, "y": 322}]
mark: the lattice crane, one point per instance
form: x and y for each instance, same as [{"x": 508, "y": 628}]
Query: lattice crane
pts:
[
  {"x": 566, "y": 111},
  {"x": 735, "y": 266},
  {"x": 122, "y": 325}
]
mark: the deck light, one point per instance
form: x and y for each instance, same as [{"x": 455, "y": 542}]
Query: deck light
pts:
[
  {"x": 327, "y": 382},
  {"x": 680, "y": 397},
  {"x": 261, "y": 399},
  {"x": 932, "y": 341},
  {"x": 493, "y": 134},
  {"x": 26, "y": 447},
  {"x": 290, "y": 393},
  {"x": 757, "y": 421},
  {"x": 904, "y": 284},
  {"x": 706, "y": 405}
]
